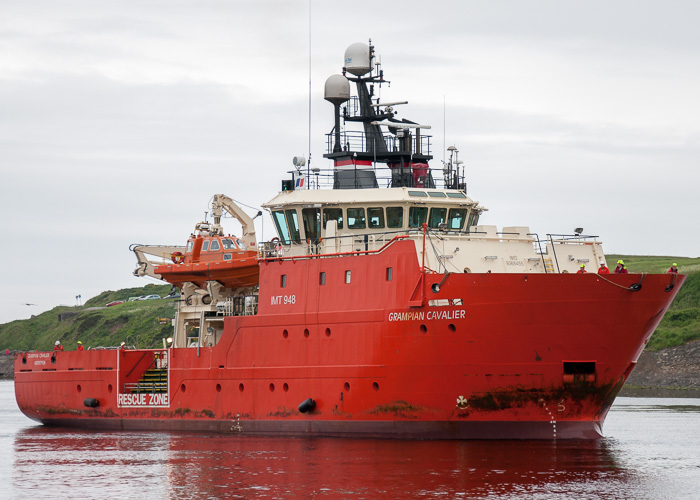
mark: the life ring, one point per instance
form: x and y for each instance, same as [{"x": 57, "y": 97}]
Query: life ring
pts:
[{"x": 177, "y": 257}]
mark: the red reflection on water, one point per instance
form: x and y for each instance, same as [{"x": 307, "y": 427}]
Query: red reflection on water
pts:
[{"x": 181, "y": 466}]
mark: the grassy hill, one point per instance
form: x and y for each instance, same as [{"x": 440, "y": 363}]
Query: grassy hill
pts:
[
  {"x": 682, "y": 321},
  {"x": 138, "y": 323}
]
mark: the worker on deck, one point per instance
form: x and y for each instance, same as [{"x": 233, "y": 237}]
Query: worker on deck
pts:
[
  {"x": 57, "y": 346},
  {"x": 620, "y": 269},
  {"x": 80, "y": 346},
  {"x": 603, "y": 269},
  {"x": 673, "y": 269},
  {"x": 582, "y": 269}
]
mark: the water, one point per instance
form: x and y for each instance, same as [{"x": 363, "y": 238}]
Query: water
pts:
[{"x": 652, "y": 452}]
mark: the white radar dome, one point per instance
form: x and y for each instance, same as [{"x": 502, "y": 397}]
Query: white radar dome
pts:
[
  {"x": 357, "y": 59},
  {"x": 337, "y": 89}
]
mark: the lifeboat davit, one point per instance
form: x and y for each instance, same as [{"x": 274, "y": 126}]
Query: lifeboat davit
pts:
[{"x": 208, "y": 257}]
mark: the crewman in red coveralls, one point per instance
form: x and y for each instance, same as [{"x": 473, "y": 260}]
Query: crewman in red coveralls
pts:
[
  {"x": 57, "y": 346},
  {"x": 603, "y": 269},
  {"x": 673, "y": 269},
  {"x": 80, "y": 346},
  {"x": 620, "y": 269},
  {"x": 582, "y": 269}
]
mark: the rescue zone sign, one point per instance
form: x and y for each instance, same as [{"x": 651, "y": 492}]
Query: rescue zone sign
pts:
[{"x": 143, "y": 400}]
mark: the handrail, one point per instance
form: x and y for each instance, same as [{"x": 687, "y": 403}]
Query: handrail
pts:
[
  {"x": 336, "y": 254},
  {"x": 137, "y": 363}
]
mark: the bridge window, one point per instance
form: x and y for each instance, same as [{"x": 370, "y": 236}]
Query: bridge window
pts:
[
  {"x": 456, "y": 195},
  {"x": 228, "y": 256},
  {"x": 436, "y": 194},
  {"x": 437, "y": 216},
  {"x": 473, "y": 219},
  {"x": 376, "y": 217},
  {"x": 356, "y": 218},
  {"x": 190, "y": 244},
  {"x": 281, "y": 224},
  {"x": 228, "y": 244},
  {"x": 241, "y": 244},
  {"x": 335, "y": 214},
  {"x": 416, "y": 193},
  {"x": 205, "y": 246},
  {"x": 215, "y": 245},
  {"x": 312, "y": 222},
  {"x": 293, "y": 222},
  {"x": 394, "y": 216},
  {"x": 417, "y": 216},
  {"x": 456, "y": 218}
]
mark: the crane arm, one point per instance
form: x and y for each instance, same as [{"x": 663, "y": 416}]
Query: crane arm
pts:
[
  {"x": 222, "y": 202},
  {"x": 145, "y": 267}
]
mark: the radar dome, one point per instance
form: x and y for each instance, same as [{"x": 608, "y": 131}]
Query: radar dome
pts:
[
  {"x": 337, "y": 89},
  {"x": 357, "y": 59}
]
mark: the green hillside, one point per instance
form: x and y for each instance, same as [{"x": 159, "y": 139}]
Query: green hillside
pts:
[
  {"x": 136, "y": 322},
  {"x": 140, "y": 323},
  {"x": 682, "y": 321}
]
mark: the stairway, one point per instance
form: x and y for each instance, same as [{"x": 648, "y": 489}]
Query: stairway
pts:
[
  {"x": 548, "y": 265},
  {"x": 153, "y": 381}
]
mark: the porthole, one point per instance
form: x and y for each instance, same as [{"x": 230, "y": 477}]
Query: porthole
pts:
[
  {"x": 218, "y": 387},
  {"x": 306, "y": 333},
  {"x": 183, "y": 387},
  {"x": 285, "y": 387},
  {"x": 328, "y": 332},
  {"x": 241, "y": 387},
  {"x": 424, "y": 329},
  {"x": 272, "y": 387},
  {"x": 375, "y": 386},
  {"x": 80, "y": 389},
  {"x": 285, "y": 334},
  {"x": 109, "y": 388},
  {"x": 346, "y": 386},
  {"x": 452, "y": 327}
]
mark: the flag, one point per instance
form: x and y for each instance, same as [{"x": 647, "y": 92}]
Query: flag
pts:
[{"x": 300, "y": 181}]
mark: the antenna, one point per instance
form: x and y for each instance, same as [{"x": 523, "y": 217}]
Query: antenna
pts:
[{"x": 309, "y": 137}]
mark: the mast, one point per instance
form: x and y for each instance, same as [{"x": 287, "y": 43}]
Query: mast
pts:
[{"x": 401, "y": 147}]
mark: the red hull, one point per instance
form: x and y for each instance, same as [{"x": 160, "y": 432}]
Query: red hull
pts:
[{"x": 523, "y": 356}]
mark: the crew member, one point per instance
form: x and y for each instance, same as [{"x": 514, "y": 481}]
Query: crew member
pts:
[
  {"x": 603, "y": 269},
  {"x": 57, "y": 346},
  {"x": 673, "y": 269},
  {"x": 582, "y": 269},
  {"x": 620, "y": 269},
  {"x": 80, "y": 346}
]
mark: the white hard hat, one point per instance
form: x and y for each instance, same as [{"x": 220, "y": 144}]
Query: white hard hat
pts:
[{"x": 58, "y": 342}]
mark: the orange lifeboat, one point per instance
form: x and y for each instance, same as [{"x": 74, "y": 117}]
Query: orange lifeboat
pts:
[{"x": 207, "y": 257}]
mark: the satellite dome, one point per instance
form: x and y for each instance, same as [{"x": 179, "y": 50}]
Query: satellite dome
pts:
[
  {"x": 337, "y": 89},
  {"x": 357, "y": 59}
]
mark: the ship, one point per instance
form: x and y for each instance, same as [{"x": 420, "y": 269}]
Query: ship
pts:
[{"x": 383, "y": 308}]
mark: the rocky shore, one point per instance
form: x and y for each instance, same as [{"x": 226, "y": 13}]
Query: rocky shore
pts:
[{"x": 672, "y": 372}]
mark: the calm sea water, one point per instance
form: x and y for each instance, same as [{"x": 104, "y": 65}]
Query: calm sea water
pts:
[{"x": 652, "y": 452}]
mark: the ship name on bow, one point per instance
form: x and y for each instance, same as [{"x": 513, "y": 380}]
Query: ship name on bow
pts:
[{"x": 429, "y": 315}]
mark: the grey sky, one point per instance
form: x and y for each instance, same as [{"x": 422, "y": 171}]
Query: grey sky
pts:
[{"x": 119, "y": 120}]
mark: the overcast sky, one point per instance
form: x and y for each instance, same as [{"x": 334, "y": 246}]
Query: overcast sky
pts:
[{"x": 120, "y": 120}]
